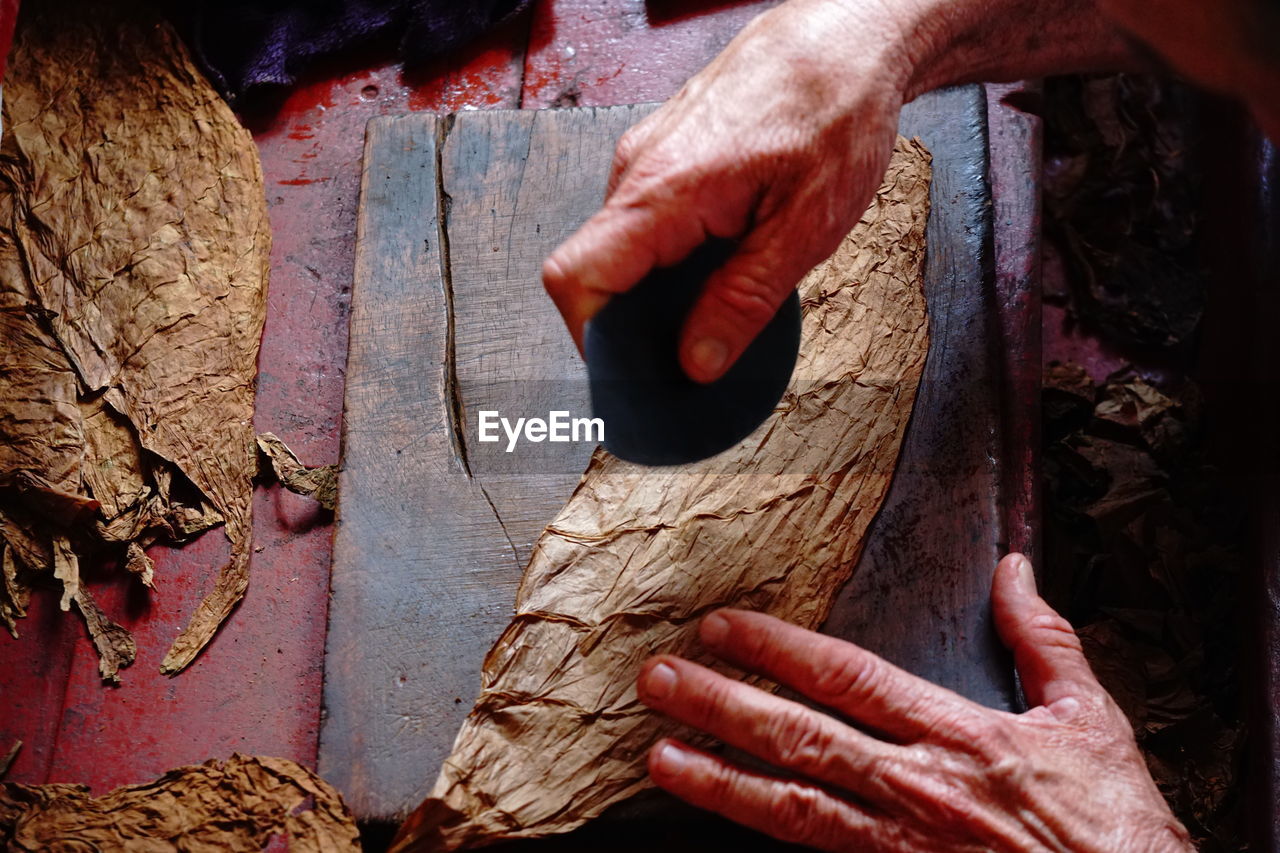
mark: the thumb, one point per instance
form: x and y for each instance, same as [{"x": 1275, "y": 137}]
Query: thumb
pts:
[{"x": 1045, "y": 647}]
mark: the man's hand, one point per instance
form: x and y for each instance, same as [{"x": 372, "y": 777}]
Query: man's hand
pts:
[
  {"x": 780, "y": 141},
  {"x": 917, "y": 767}
]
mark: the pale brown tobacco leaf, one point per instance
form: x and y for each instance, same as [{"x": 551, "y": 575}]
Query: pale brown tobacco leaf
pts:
[
  {"x": 319, "y": 483},
  {"x": 7, "y": 761},
  {"x": 133, "y": 267},
  {"x": 66, "y": 568},
  {"x": 137, "y": 562},
  {"x": 14, "y": 593},
  {"x": 638, "y": 555},
  {"x": 113, "y": 643},
  {"x": 236, "y": 805}
]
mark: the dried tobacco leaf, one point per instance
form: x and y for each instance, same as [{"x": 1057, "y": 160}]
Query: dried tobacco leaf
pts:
[
  {"x": 1122, "y": 204},
  {"x": 113, "y": 643},
  {"x": 7, "y": 761},
  {"x": 236, "y": 805},
  {"x": 638, "y": 554},
  {"x": 1145, "y": 534},
  {"x": 133, "y": 266},
  {"x": 320, "y": 483},
  {"x": 14, "y": 595}
]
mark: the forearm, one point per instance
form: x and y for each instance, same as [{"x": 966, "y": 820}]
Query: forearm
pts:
[
  {"x": 947, "y": 42},
  {"x": 967, "y": 41},
  {"x": 1228, "y": 45}
]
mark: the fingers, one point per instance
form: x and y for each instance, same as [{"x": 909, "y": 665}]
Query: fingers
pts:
[
  {"x": 1045, "y": 648},
  {"x": 791, "y": 811},
  {"x": 834, "y": 673},
  {"x": 612, "y": 251},
  {"x": 662, "y": 203},
  {"x": 736, "y": 304},
  {"x": 784, "y": 733}
]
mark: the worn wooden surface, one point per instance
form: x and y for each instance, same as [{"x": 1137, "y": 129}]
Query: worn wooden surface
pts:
[
  {"x": 920, "y": 595},
  {"x": 434, "y": 530},
  {"x": 450, "y": 522},
  {"x": 1015, "y": 206}
]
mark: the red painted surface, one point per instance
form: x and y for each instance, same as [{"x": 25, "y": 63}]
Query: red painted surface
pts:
[
  {"x": 8, "y": 18},
  {"x": 257, "y": 687},
  {"x": 1016, "y": 145},
  {"x": 589, "y": 53}
]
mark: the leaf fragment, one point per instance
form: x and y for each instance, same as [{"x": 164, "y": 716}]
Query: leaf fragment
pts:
[
  {"x": 236, "y": 805},
  {"x": 320, "y": 483}
]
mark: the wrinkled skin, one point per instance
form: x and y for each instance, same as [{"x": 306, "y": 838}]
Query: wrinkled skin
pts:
[
  {"x": 780, "y": 141},
  {"x": 707, "y": 165},
  {"x": 939, "y": 772}
]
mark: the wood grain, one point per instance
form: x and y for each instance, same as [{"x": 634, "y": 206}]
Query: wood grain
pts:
[
  {"x": 520, "y": 182},
  {"x": 434, "y": 528},
  {"x": 920, "y": 596}
]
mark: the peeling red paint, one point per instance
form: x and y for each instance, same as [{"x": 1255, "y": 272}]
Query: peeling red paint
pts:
[{"x": 583, "y": 52}]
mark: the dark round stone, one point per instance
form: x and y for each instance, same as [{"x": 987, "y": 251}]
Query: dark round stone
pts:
[{"x": 653, "y": 413}]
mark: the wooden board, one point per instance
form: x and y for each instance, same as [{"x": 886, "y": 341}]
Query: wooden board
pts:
[{"x": 449, "y": 318}]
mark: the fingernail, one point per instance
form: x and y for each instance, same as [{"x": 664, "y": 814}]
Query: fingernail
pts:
[
  {"x": 1026, "y": 575},
  {"x": 671, "y": 759},
  {"x": 715, "y": 628},
  {"x": 709, "y": 354},
  {"x": 660, "y": 681}
]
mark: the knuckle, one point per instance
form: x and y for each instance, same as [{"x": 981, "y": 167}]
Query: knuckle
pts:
[
  {"x": 756, "y": 644},
  {"x": 794, "y": 812},
  {"x": 851, "y": 675},
  {"x": 628, "y": 145},
  {"x": 1114, "y": 726},
  {"x": 983, "y": 733},
  {"x": 723, "y": 785},
  {"x": 554, "y": 279},
  {"x": 750, "y": 298},
  {"x": 1050, "y": 630},
  {"x": 800, "y": 741},
  {"x": 648, "y": 179},
  {"x": 712, "y": 702}
]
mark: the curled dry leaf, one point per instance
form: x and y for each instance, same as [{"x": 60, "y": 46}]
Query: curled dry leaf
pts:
[
  {"x": 638, "y": 555},
  {"x": 7, "y": 761},
  {"x": 133, "y": 268},
  {"x": 320, "y": 483},
  {"x": 235, "y": 805},
  {"x": 14, "y": 595}
]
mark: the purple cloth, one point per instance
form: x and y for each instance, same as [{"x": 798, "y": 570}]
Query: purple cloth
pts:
[{"x": 247, "y": 44}]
